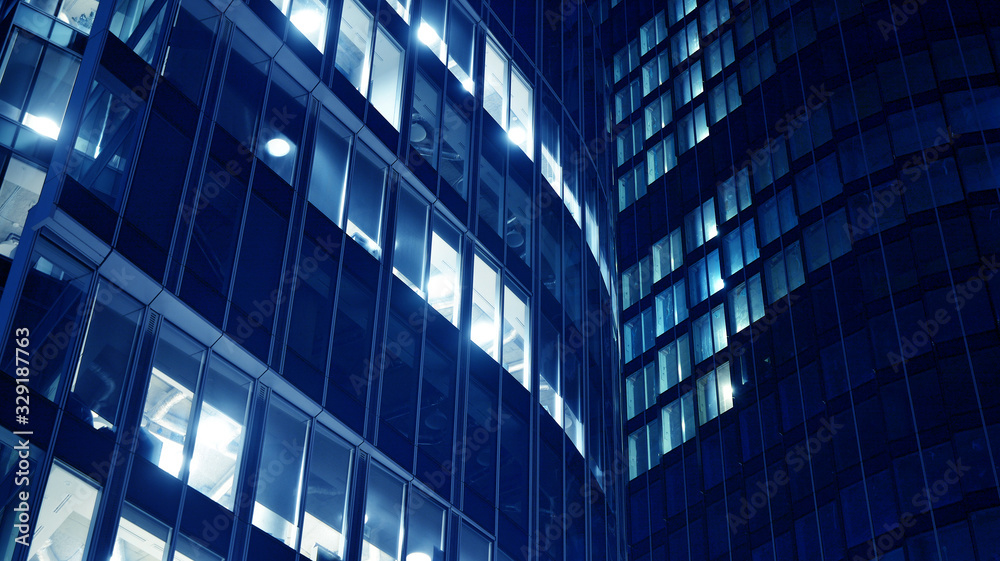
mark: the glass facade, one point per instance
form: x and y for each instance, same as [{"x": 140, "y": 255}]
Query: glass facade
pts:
[
  {"x": 303, "y": 279},
  {"x": 823, "y": 385}
]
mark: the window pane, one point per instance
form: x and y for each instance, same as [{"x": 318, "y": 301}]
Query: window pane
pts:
[
  {"x": 408, "y": 256},
  {"x": 280, "y": 139},
  {"x": 324, "y": 525},
  {"x": 364, "y": 209},
  {"x": 189, "y": 550},
  {"x": 424, "y": 119},
  {"x": 425, "y": 529},
  {"x": 443, "y": 284},
  {"x": 102, "y": 141},
  {"x": 485, "y": 316},
  {"x": 276, "y": 506},
  {"x": 18, "y": 71},
  {"x": 473, "y": 546},
  {"x": 719, "y": 327},
  {"x": 167, "y": 411},
  {"x": 756, "y": 298},
  {"x": 328, "y": 182},
  {"x": 708, "y": 405},
  {"x": 140, "y": 537},
  {"x": 702, "y": 328},
  {"x": 190, "y": 47},
  {"x": 638, "y": 461},
  {"x": 671, "y": 421},
  {"x": 218, "y": 445},
  {"x": 454, "y": 149},
  {"x": 738, "y": 308},
  {"x": 107, "y": 347},
  {"x": 243, "y": 90},
  {"x": 664, "y": 311},
  {"x": 21, "y": 185},
  {"x": 687, "y": 421},
  {"x": 387, "y": 73},
  {"x": 64, "y": 518},
  {"x": 309, "y": 16},
  {"x": 461, "y": 45},
  {"x": 495, "y": 93},
  {"x": 734, "y": 252},
  {"x": 515, "y": 336},
  {"x": 724, "y": 381},
  {"x": 50, "y": 94},
  {"x": 354, "y": 44},
  {"x": 635, "y": 395},
  {"x": 383, "y": 516},
  {"x": 750, "y": 249},
  {"x": 521, "y": 113}
]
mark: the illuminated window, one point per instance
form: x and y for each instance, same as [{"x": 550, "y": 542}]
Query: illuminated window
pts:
[
  {"x": 443, "y": 283},
  {"x": 485, "y": 309},
  {"x": 516, "y": 336},
  {"x": 168, "y": 411},
  {"x": 65, "y": 515},
  {"x": 495, "y": 87},
  {"x": 521, "y": 130},
  {"x": 354, "y": 45},
  {"x": 387, "y": 74}
]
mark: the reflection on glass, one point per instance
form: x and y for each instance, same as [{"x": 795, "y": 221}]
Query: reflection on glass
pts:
[
  {"x": 279, "y": 139},
  {"x": 276, "y": 506},
  {"x": 387, "y": 73},
  {"x": 328, "y": 181},
  {"x": 63, "y": 527},
  {"x": 218, "y": 443},
  {"x": 551, "y": 170},
  {"x": 495, "y": 93},
  {"x": 364, "y": 208},
  {"x": 139, "y": 537},
  {"x": 402, "y": 8},
  {"x": 19, "y": 192},
  {"x": 78, "y": 13},
  {"x": 443, "y": 289},
  {"x": 138, "y": 29},
  {"x": 103, "y": 141},
  {"x": 411, "y": 239},
  {"x": 354, "y": 44},
  {"x": 454, "y": 149},
  {"x": 515, "y": 336},
  {"x": 325, "y": 525},
  {"x": 425, "y": 529},
  {"x": 53, "y": 83},
  {"x": 107, "y": 346},
  {"x": 167, "y": 410},
  {"x": 424, "y": 119},
  {"x": 383, "y": 516},
  {"x": 485, "y": 316}
]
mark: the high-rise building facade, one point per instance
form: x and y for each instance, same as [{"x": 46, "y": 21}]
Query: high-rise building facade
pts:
[
  {"x": 807, "y": 241},
  {"x": 306, "y": 279}
]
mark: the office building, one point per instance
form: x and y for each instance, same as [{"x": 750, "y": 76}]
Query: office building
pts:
[
  {"x": 307, "y": 279},
  {"x": 807, "y": 240}
]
